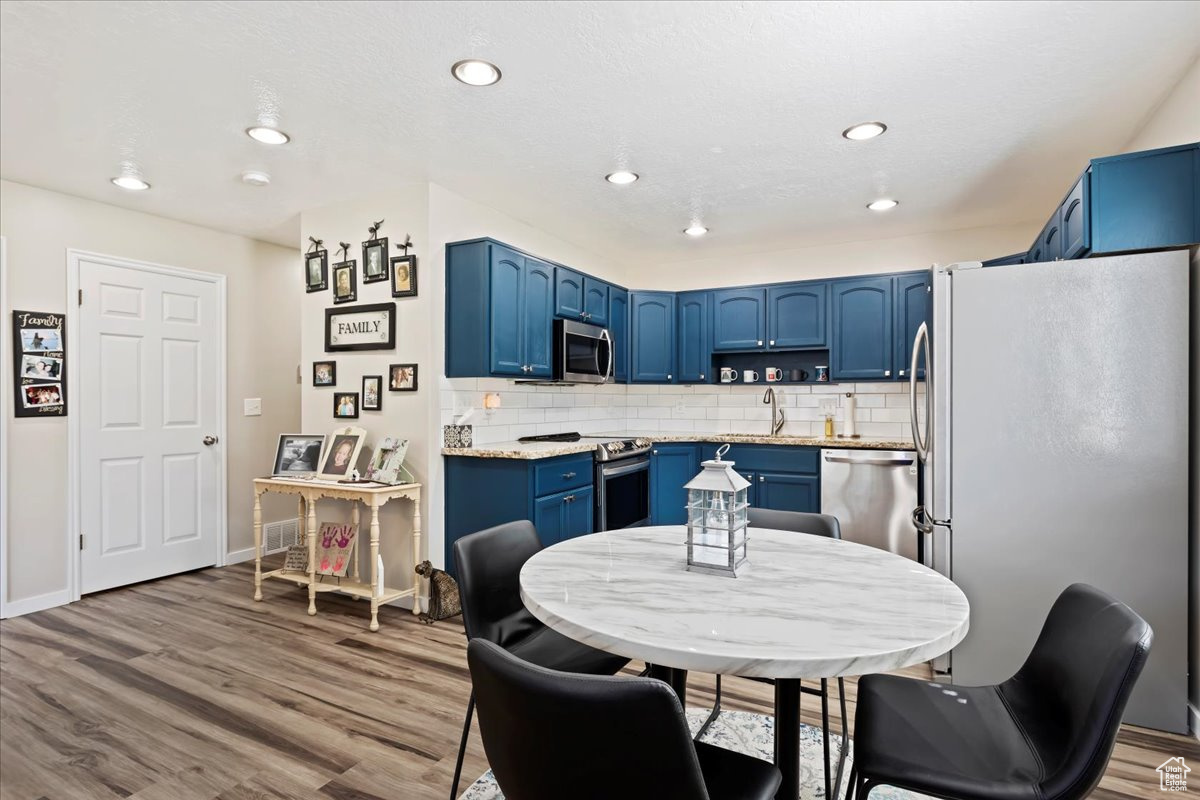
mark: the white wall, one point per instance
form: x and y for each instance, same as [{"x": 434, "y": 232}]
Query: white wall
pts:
[
  {"x": 1176, "y": 120},
  {"x": 264, "y": 282}
]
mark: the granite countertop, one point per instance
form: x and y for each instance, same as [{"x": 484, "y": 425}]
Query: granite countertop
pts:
[{"x": 536, "y": 450}]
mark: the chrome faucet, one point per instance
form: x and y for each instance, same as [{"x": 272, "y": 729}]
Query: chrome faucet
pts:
[{"x": 776, "y": 411}]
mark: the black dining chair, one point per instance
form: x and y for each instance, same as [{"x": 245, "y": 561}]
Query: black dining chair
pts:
[
  {"x": 489, "y": 568},
  {"x": 551, "y": 735},
  {"x": 815, "y": 525},
  {"x": 1044, "y": 734}
]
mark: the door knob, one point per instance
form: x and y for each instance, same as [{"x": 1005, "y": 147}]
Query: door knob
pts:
[{"x": 210, "y": 440}]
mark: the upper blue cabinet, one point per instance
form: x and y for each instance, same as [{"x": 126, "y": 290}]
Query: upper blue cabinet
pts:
[
  {"x": 1075, "y": 217},
  {"x": 1146, "y": 200},
  {"x": 912, "y": 297},
  {"x": 618, "y": 329},
  {"x": 499, "y": 309},
  {"x": 863, "y": 336},
  {"x": 739, "y": 319},
  {"x": 568, "y": 293},
  {"x": 796, "y": 315},
  {"x": 652, "y": 339},
  {"x": 595, "y": 301},
  {"x": 694, "y": 347}
]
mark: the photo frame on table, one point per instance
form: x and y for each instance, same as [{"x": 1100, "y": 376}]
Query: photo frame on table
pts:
[
  {"x": 345, "y": 282},
  {"x": 387, "y": 463},
  {"x": 365, "y": 327},
  {"x": 374, "y": 258},
  {"x": 297, "y": 455},
  {"x": 372, "y": 392},
  {"x": 345, "y": 405},
  {"x": 402, "y": 378},
  {"x": 342, "y": 451},
  {"x": 324, "y": 373},
  {"x": 316, "y": 271},
  {"x": 404, "y": 276},
  {"x": 39, "y": 364}
]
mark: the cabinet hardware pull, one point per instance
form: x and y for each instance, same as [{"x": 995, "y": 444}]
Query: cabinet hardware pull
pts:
[
  {"x": 701, "y": 376},
  {"x": 568, "y": 475},
  {"x": 760, "y": 342},
  {"x": 569, "y": 498},
  {"x": 887, "y": 373},
  {"x": 762, "y": 478},
  {"x": 901, "y": 373},
  {"x": 772, "y": 343},
  {"x": 668, "y": 377}
]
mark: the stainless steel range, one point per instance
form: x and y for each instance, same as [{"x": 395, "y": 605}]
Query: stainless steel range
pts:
[{"x": 622, "y": 479}]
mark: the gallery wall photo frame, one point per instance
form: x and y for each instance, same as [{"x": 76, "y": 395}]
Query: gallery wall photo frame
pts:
[
  {"x": 402, "y": 378},
  {"x": 404, "y": 276},
  {"x": 372, "y": 392},
  {"x": 324, "y": 373},
  {"x": 345, "y": 405},
  {"x": 374, "y": 259},
  {"x": 39, "y": 364},
  {"x": 316, "y": 271},
  {"x": 345, "y": 281},
  {"x": 365, "y": 327}
]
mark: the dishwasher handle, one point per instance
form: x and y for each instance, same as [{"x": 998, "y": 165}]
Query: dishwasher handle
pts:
[{"x": 895, "y": 461}]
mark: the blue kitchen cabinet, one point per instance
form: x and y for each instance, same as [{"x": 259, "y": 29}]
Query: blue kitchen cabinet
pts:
[
  {"x": 1075, "y": 219},
  {"x": 1144, "y": 200},
  {"x": 695, "y": 352},
  {"x": 499, "y": 312},
  {"x": 671, "y": 466},
  {"x": 618, "y": 329},
  {"x": 1004, "y": 261},
  {"x": 563, "y": 516},
  {"x": 912, "y": 298},
  {"x": 652, "y": 346},
  {"x": 796, "y": 315},
  {"x": 595, "y": 301},
  {"x": 1048, "y": 245},
  {"x": 863, "y": 334},
  {"x": 568, "y": 293},
  {"x": 739, "y": 319},
  {"x": 787, "y": 491}
]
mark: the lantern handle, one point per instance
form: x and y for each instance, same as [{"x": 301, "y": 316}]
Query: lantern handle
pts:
[{"x": 722, "y": 450}]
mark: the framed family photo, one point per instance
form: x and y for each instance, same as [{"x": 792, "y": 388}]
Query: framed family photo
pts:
[
  {"x": 374, "y": 257},
  {"x": 345, "y": 405},
  {"x": 342, "y": 453},
  {"x": 345, "y": 282},
  {"x": 365, "y": 327},
  {"x": 404, "y": 276},
  {"x": 298, "y": 454},
  {"x": 372, "y": 391},
  {"x": 316, "y": 271},
  {"x": 402, "y": 378},
  {"x": 324, "y": 373},
  {"x": 39, "y": 364}
]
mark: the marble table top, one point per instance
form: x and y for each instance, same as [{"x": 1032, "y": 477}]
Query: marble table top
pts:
[{"x": 807, "y": 606}]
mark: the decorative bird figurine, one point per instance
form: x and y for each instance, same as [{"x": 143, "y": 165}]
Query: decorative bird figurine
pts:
[
  {"x": 374, "y": 229},
  {"x": 407, "y": 243},
  {"x": 345, "y": 248},
  {"x": 315, "y": 243}
]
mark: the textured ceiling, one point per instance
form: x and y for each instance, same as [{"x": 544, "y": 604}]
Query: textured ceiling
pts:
[{"x": 731, "y": 111}]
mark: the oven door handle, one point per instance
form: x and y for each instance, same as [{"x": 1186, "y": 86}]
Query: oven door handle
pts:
[{"x": 640, "y": 464}]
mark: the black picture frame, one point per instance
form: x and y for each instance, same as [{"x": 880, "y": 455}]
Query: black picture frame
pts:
[
  {"x": 39, "y": 343},
  {"x": 380, "y": 246},
  {"x": 321, "y": 260},
  {"x": 337, "y": 402},
  {"x": 385, "y": 343},
  {"x": 332, "y": 373},
  {"x": 350, "y": 267},
  {"x": 395, "y": 385},
  {"x": 410, "y": 288},
  {"x": 378, "y": 404}
]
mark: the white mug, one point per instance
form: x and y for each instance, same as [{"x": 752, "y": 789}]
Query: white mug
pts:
[
  {"x": 728, "y": 374},
  {"x": 750, "y": 376},
  {"x": 774, "y": 374}
]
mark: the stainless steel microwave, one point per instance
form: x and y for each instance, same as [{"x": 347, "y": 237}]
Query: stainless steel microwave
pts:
[{"x": 583, "y": 353}]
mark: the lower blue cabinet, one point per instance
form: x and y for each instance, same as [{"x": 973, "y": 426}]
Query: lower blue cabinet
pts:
[
  {"x": 671, "y": 466},
  {"x": 563, "y": 516},
  {"x": 787, "y": 491}
]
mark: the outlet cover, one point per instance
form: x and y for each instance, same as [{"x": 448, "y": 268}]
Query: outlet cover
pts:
[{"x": 252, "y": 406}]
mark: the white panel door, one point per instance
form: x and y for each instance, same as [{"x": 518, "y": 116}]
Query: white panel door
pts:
[{"x": 149, "y": 484}]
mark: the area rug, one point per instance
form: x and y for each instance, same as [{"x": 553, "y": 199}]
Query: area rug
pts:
[{"x": 752, "y": 734}]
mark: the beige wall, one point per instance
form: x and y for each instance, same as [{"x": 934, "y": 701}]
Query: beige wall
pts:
[
  {"x": 1176, "y": 120},
  {"x": 264, "y": 286}
]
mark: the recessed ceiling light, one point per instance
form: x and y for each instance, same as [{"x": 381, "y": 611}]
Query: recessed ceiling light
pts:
[
  {"x": 696, "y": 230},
  {"x": 621, "y": 177},
  {"x": 253, "y": 177},
  {"x": 475, "y": 72},
  {"x": 266, "y": 135},
  {"x": 864, "y": 130},
  {"x": 131, "y": 183},
  {"x": 883, "y": 205}
]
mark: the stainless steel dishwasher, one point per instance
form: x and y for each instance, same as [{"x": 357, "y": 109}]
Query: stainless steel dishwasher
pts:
[{"x": 872, "y": 493}]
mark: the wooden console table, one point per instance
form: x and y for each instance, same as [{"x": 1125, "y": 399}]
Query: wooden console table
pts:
[{"x": 374, "y": 497}]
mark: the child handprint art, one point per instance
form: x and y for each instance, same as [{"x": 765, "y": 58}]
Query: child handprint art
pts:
[{"x": 337, "y": 546}]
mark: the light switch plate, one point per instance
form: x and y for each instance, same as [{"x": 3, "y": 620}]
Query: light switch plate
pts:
[{"x": 252, "y": 406}]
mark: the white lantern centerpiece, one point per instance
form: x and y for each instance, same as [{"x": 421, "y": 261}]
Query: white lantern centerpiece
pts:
[{"x": 716, "y": 527}]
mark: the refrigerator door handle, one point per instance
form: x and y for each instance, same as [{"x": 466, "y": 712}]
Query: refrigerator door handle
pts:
[
  {"x": 921, "y": 520},
  {"x": 920, "y": 345}
]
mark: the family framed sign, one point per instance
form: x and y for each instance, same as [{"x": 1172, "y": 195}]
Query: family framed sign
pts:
[
  {"x": 39, "y": 364},
  {"x": 365, "y": 327}
]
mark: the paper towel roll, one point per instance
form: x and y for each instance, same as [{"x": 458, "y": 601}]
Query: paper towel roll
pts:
[{"x": 849, "y": 430}]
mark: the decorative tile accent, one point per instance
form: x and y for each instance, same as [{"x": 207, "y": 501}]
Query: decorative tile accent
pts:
[{"x": 456, "y": 436}]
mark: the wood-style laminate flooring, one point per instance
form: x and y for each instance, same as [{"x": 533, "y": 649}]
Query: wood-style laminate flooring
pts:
[{"x": 186, "y": 689}]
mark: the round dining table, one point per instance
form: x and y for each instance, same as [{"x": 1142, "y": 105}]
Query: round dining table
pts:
[{"x": 802, "y": 607}]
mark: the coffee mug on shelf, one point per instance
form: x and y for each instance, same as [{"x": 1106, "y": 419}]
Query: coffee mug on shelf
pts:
[
  {"x": 728, "y": 374},
  {"x": 774, "y": 374},
  {"x": 799, "y": 375},
  {"x": 822, "y": 374},
  {"x": 749, "y": 376}
]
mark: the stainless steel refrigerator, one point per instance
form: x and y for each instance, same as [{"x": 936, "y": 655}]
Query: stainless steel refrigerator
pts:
[{"x": 1055, "y": 442}]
